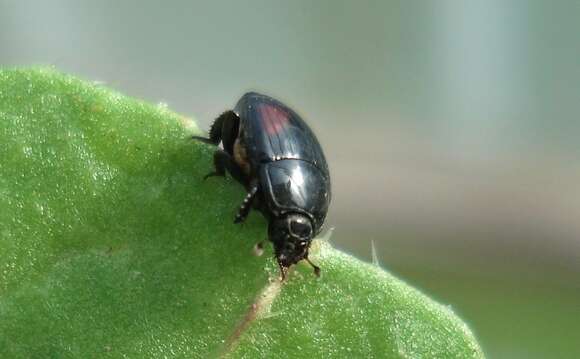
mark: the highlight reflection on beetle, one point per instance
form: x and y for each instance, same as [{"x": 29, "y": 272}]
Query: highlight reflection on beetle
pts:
[{"x": 273, "y": 153}]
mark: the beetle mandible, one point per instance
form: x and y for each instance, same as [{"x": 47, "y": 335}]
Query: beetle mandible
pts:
[{"x": 273, "y": 153}]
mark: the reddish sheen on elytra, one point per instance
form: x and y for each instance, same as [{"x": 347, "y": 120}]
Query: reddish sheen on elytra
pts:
[{"x": 275, "y": 119}]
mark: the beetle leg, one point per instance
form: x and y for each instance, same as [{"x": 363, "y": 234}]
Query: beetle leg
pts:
[
  {"x": 222, "y": 162},
  {"x": 203, "y": 139},
  {"x": 224, "y": 128},
  {"x": 246, "y": 205},
  {"x": 314, "y": 266},
  {"x": 228, "y": 131},
  {"x": 215, "y": 132}
]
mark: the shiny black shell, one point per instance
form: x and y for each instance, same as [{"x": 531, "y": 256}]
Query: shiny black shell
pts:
[{"x": 285, "y": 157}]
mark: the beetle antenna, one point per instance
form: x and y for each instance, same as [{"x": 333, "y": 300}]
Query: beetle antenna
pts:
[
  {"x": 314, "y": 266},
  {"x": 283, "y": 271}
]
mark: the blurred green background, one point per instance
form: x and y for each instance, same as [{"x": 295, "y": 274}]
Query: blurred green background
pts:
[{"x": 451, "y": 128}]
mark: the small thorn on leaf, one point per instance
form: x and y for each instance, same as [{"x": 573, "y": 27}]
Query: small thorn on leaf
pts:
[{"x": 258, "y": 249}]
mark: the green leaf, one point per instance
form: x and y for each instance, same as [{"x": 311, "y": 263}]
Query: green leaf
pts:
[{"x": 112, "y": 245}]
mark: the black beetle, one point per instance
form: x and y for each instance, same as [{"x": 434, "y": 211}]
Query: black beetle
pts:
[{"x": 270, "y": 150}]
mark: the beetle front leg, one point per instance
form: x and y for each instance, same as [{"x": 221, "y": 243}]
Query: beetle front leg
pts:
[
  {"x": 222, "y": 162},
  {"x": 247, "y": 204},
  {"x": 225, "y": 125}
]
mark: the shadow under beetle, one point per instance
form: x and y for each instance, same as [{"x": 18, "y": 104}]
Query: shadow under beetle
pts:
[{"x": 270, "y": 150}]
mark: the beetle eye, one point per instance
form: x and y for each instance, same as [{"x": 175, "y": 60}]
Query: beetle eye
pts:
[{"x": 300, "y": 229}]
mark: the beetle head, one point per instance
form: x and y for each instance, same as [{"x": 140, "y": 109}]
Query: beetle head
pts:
[{"x": 291, "y": 235}]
